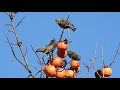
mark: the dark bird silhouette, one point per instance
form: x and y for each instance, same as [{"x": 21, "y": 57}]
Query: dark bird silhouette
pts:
[
  {"x": 73, "y": 55},
  {"x": 64, "y": 63},
  {"x": 65, "y": 24},
  {"x": 98, "y": 74},
  {"x": 48, "y": 48}
]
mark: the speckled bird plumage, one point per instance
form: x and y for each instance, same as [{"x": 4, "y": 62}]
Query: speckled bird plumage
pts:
[
  {"x": 65, "y": 24},
  {"x": 48, "y": 48},
  {"x": 73, "y": 55},
  {"x": 64, "y": 63}
]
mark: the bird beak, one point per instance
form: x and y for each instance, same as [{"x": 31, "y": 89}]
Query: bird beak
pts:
[
  {"x": 57, "y": 20},
  {"x": 55, "y": 40}
]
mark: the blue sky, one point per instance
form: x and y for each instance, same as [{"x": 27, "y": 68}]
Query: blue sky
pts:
[{"x": 38, "y": 28}]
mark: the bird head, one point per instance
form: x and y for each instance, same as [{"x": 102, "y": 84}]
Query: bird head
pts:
[
  {"x": 66, "y": 41},
  {"x": 57, "y": 20}
]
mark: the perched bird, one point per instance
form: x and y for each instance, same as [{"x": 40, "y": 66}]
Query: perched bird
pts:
[
  {"x": 73, "y": 55},
  {"x": 98, "y": 74},
  {"x": 65, "y": 41},
  {"x": 64, "y": 63},
  {"x": 65, "y": 24},
  {"x": 48, "y": 48}
]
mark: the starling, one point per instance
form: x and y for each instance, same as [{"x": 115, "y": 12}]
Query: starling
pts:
[
  {"x": 65, "y": 24},
  {"x": 64, "y": 63},
  {"x": 48, "y": 48},
  {"x": 73, "y": 55},
  {"x": 98, "y": 74},
  {"x": 65, "y": 41}
]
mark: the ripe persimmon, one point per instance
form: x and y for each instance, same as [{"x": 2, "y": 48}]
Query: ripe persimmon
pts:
[
  {"x": 60, "y": 72},
  {"x": 69, "y": 74},
  {"x": 62, "y": 45},
  {"x": 62, "y": 53},
  {"x": 74, "y": 63},
  {"x": 50, "y": 70},
  {"x": 107, "y": 71},
  {"x": 57, "y": 61}
]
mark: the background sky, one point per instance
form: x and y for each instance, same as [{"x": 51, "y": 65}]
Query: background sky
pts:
[{"x": 38, "y": 28}]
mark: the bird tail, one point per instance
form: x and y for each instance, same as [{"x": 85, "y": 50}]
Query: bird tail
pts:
[
  {"x": 72, "y": 28},
  {"x": 40, "y": 50}
]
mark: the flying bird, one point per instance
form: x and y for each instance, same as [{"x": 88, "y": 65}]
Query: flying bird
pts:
[
  {"x": 73, "y": 55},
  {"x": 65, "y": 24}
]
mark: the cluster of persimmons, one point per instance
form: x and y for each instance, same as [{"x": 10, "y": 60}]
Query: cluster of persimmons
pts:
[{"x": 55, "y": 69}]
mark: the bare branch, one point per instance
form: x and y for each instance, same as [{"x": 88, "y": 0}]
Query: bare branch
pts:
[
  {"x": 92, "y": 63},
  {"x": 15, "y": 33},
  {"x": 10, "y": 43},
  {"x": 13, "y": 51},
  {"x": 20, "y": 48},
  {"x": 7, "y": 13},
  {"x": 20, "y": 22},
  {"x": 25, "y": 51},
  {"x": 36, "y": 73},
  {"x": 102, "y": 56},
  {"x": 102, "y": 59},
  {"x": 10, "y": 31},
  {"x": 36, "y": 54},
  {"x": 63, "y": 30},
  {"x": 17, "y": 58},
  {"x": 69, "y": 40},
  {"x": 87, "y": 68},
  {"x": 115, "y": 55},
  {"x": 8, "y": 25}
]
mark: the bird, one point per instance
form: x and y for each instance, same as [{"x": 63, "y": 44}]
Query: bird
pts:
[
  {"x": 65, "y": 24},
  {"x": 48, "y": 48},
  {"x": 64, "y": 63},
  {"x": 98, "y": 74},
  {"x": 73, "y": 55}
]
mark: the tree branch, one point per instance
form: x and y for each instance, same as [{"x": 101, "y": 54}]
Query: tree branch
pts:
[
  {"x": 20, "y": 48},
  {"x": 17, "y": 58},
  {"x": 20, "y": 22},
  {"x": 15, "y": 33},
  {"x": 115, "y": 55},
  {"x": 63, "y": 30}
]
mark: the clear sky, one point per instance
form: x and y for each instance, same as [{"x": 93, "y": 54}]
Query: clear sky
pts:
[{"x": 38, "y": 28}]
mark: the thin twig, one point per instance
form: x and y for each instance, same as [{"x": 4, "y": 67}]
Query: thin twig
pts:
[
  {"x": 87, "y": 68},
  {"x": 25, "y": 51},
  {"x": 102, "y": 59},
  {"x": 17, "y": 58},
  {"x": 63, "y": 30},
  {"x": 20, "y": 22},
  {"x": 13, "y": 51},
  {"x": 115, "y": 55},
  {"x": 92, "y": 63},
  {"x": 36, "y": 73},
  {"x": 40, "y": 62},
  {"x": 10, "y": 31},
  {"x": 102, "y": 56},
  {"x": 20, "y": 48},
  {"x": 69, "y": 40},
  {"x": 39, "y": 71},
  {"x": 15, "y": 33},
  {"x": 36, "y": 54},
  {"x": 10, "y": 43},
  {"x": 8, "y": 25},
  {"x": 7, "y": 13}
]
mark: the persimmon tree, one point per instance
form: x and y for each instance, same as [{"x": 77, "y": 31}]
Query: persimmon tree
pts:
[{"x": 55, "y": 66}]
